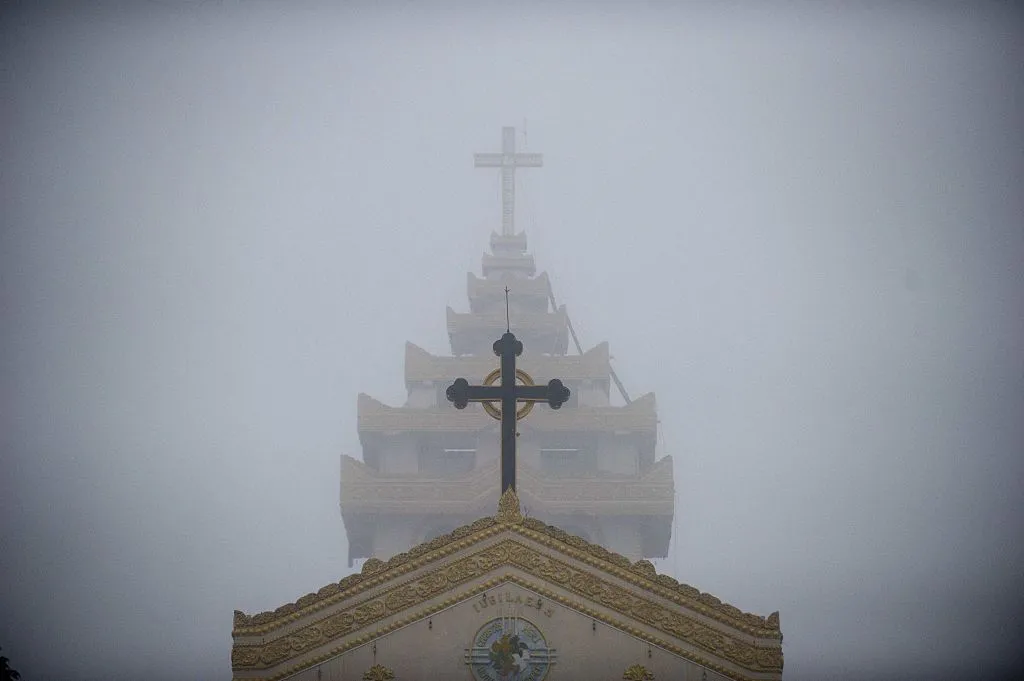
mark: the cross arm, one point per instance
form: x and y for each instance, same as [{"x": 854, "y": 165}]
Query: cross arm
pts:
[
  {"x": 488, "y": 160},
  {"x": 554, "y": 393},
  {"x": 461, "y": 393},
  {"x": 508, "y": 160},
  {"x": 530, "y": 160}
]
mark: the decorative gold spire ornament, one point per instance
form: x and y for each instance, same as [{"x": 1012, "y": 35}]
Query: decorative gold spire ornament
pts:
[
  {"x": 508, "y": 508},
  {"x": 637, "y": 672},
  {"x": 378, "y": 673}
]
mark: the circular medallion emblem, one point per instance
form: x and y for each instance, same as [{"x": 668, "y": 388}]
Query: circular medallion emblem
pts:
[{"x": 510, "y": 650}]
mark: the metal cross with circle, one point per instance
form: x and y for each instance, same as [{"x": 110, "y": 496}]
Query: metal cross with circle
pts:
[{"x": 461, "y": 393}]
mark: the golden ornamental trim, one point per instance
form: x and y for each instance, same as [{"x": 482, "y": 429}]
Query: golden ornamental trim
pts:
[
  {"x": 637, "y": 672},
  {"x": 548, "y": 535},
  {"x": 508, "y": 508},
  {"x": 378, "y": 673},
  {"x": 372, "y": 566},
  {"x": 482, "y": 587},
  {"x": 593, "y": 587}
]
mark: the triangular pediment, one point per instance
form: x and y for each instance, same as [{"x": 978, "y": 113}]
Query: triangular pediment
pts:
[{"x": 447, "y": 575}]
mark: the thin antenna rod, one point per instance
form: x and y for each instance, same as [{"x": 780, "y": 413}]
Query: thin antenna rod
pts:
[{"x": 508, "y": 324}]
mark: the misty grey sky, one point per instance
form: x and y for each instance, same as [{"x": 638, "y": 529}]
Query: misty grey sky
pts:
[{"x": 799, "y": 225}]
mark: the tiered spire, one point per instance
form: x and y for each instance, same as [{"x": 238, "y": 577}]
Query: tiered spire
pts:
[{"x": 427, "y": 468}]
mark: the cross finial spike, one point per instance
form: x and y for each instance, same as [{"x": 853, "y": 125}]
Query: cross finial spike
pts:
[{"x": 508, "y": 324}]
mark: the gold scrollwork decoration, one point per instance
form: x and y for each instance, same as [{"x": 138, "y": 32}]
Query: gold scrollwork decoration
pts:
[
  {"x": 378, "y": 672},
  {"x": 637, "y": 672},
  {"x": 508, "y": 508},
  {"x": 447, "y": 576}
]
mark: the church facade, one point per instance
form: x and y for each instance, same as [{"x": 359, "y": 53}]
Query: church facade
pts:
[
  {"x": 557, "y": 584},
  {"x": 507, "y": 598}
]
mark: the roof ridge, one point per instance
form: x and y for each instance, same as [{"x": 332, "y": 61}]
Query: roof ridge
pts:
[{"x": 509, "y": 517}]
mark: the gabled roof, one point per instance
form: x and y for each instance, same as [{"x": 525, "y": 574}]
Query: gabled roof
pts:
[{"x": 431, "y": 577}]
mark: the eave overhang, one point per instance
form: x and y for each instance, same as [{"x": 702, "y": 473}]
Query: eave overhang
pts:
[
  {"x": 364, "y": 490},
  {"x": 638, "y": 417},
  {"x": 471, "y": 333},
  {"x": 533, "y": 292},
  {"x": 422, "y": 366},
  {"x": 521, "y": 264}
]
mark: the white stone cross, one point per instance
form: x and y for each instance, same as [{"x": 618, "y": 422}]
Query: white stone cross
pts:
[{"x": 508, "y": 160}]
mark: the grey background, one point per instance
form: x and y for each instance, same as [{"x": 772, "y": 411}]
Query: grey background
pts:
[{"x": 799, "y": 224}]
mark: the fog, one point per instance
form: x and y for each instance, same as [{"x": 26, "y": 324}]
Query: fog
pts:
[{"x": 800, "y": 226}]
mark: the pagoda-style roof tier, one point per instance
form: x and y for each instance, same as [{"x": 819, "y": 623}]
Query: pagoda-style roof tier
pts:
[
  {"x": 541, "y": 331},
  {"x": 652, "y": 494},
  {"x": 488, "y": 294},
  {"x": 639, "y": 416},
  {"x": 501, "y": 262},
  {"x": 508, "y": 244},
  {"x": 421, "y": 366}
]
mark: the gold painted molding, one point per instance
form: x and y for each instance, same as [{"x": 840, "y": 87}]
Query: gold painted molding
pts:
[
  {"x": 633, "y": 604},
  {"x": 508, "y": 508},
  {"x": 637, "y": 672},
  {"x": 496, "y": 581},
  {"x": 378, "y": 673},
  {"x": 641, "y": 574}
]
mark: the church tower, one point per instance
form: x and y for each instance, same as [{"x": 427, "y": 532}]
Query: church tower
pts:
[
  {"x": 589, "y": 469},
  {"x": 555, "y": 585}
]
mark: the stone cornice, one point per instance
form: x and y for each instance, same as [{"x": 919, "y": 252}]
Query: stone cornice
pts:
[
  {"x": 649, "y": 602},
  {"x": 421, "y": 365},
  {"x": 637, "y": 417},
  {"x": 653, "y": 493}
]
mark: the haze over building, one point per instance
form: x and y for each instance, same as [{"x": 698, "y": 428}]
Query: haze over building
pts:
[
  {"x": 797, "y": 223},
  {"x": 445, "y": 585}
]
